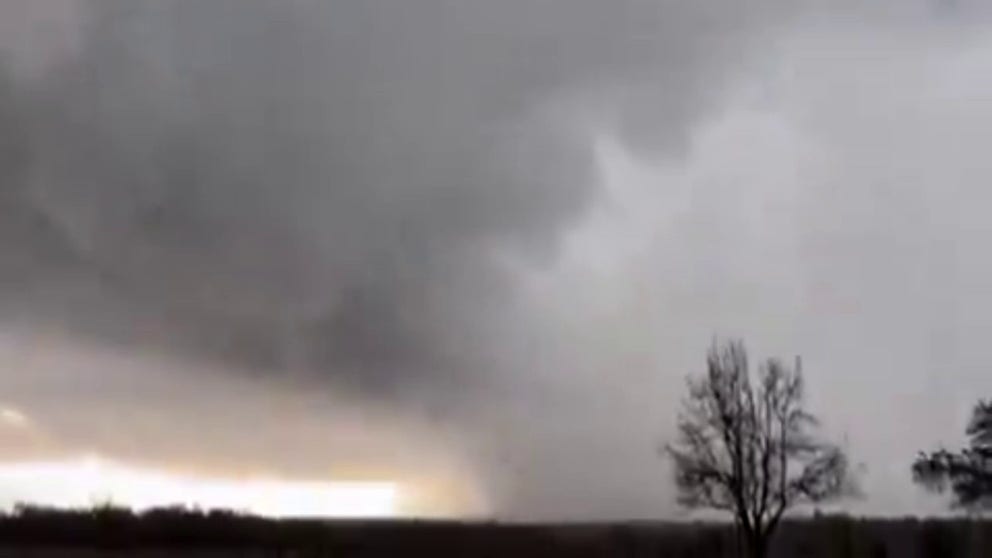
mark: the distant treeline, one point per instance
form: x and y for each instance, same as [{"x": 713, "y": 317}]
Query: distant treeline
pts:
[{"x": 112, "y": 528}]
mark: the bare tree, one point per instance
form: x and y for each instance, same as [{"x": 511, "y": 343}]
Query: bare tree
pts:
[
  {"x": 968, "y": 473},
  {"x": 747, "y": 446}
]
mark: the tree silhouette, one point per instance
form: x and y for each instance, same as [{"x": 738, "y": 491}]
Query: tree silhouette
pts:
[
  {"x": 747, "y": 446},
  {"x": 968, "y": 473}
]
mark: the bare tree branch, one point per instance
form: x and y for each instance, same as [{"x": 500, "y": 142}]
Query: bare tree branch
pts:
[{"x": 748, "y": 446}]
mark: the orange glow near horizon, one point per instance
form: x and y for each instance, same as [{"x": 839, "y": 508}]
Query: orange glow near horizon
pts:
[
  {"x": 83, "y": 480},
  {"x": 90, "y": 480}
]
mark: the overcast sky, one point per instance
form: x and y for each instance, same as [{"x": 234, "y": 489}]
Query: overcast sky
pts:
[{"x": 478, "y": 245}]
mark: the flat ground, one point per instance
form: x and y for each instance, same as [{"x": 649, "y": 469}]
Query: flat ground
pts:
[{"x": 164, "y": 534}]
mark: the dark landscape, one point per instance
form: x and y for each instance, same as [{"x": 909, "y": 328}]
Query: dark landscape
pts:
[{"x": 180, "y": 532}]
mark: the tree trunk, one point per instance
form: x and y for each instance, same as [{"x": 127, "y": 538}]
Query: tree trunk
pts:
[{"x": 757, "y": 546}]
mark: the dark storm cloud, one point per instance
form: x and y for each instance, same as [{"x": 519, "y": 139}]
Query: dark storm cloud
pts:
[{"x": 324, "y": 185}]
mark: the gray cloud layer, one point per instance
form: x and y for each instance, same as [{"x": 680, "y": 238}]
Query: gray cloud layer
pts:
[
  {"x": 322, "y": 185},
  {"x": 441, "y": 206}
]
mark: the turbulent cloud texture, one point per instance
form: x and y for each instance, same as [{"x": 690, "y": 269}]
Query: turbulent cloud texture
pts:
[
  {"x": 329, "y": 185},
  {"x": 519, "y": 222}
]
